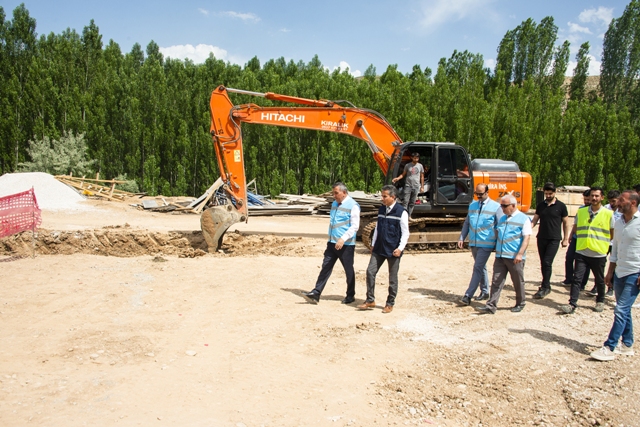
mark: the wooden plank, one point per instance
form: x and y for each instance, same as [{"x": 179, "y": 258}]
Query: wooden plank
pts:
[{"x": 211, "y": 192}]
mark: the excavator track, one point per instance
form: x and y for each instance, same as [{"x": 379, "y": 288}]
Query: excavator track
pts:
[{"x": 427, "y": 235}]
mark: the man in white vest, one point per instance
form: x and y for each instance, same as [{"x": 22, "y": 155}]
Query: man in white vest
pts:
[
  {"x": 344, "y": 221},
  {"x": 512, "y": 234}
]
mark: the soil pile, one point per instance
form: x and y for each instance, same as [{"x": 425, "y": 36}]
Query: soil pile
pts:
[{"x": 123, "y": 241}]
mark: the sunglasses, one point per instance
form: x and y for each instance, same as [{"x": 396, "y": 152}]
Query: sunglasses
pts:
[
  {"x": 480, "y": 194},
  {"x": 505, "y": 206}
]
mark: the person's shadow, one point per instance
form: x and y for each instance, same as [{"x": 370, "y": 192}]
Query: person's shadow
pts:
[
  {"x": 436, "y": 294},
  {"x": 577, "y": 346},
  {"x": 298, "y": 293}
]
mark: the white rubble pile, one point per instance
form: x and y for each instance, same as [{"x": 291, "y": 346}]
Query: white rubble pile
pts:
[{"x": 51, "y": 194}]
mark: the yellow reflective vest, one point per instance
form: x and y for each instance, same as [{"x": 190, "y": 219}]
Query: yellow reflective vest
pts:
[{"x": 594, "y": 233}]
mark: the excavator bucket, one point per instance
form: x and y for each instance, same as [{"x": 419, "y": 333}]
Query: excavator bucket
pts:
[{"x": 215, "y": 221}]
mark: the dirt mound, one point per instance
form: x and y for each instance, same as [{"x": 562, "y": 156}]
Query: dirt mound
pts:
[
  {"x": 238, "y": 244},
  {"x": 123, "y": 241}
]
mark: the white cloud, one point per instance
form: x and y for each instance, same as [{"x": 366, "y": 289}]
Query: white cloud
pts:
[
  {"x": 438, "y": 12},
  {"x": 198, "y": 54},
  {"x": 594, "y": 67},
  {"x": 490, "y": 63},
  {"x": 246, "y": 17},
  {"x": 285, "y": 30},
  {"x": 575, "y": 28},
  {"x": 343, "y": 66},
  {"x": 601, "y": 15},
  {"x": 575, "y": 40},
  {"x": 203, "y": 11}
]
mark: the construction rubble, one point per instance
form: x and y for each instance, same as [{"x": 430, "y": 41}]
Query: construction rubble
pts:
[{"x": 67, "y": 192}]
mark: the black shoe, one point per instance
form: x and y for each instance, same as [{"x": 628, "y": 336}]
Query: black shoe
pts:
[
  {"x": 465, "y": 300},
  {"x": 311, "y": 297},
  {"x": 348, "y": 300},
  {"x": 517, "y": 308},
  {"x": 567, "y": 282},
  {"x": 542, "y": 292},
  {"x": 485, "y": 310},
  {"x": 593, "y": 292},
  {"x": 609, "y": 293},
  {"x": 483, "y": 296}
]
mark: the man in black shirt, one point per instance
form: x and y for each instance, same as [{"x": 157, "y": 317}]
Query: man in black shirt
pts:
[{"x": 554, "y": 219}]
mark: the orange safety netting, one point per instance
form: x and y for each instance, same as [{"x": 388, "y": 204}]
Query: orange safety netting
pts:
[{"x": 19, "y": 212}]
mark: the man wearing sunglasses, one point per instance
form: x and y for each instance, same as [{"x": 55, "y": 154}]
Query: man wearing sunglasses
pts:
[
  {"x": 512, "y": 234},
  {"x": 594, "y": 230},
  {"x": 483, "y": 215},
  {"x": 554, "y": 222}
]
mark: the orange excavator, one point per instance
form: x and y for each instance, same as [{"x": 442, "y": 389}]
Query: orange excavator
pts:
[{"x": 449, "y": 178}]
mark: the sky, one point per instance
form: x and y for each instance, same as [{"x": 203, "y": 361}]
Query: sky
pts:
[{"x": 351, "y": 34}]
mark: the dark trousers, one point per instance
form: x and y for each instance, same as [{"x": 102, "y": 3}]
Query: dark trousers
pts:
[
  {"x": 502, "y": 266},
  {"x": 375, "y": 263},
  {"x": 331, "y": 256},
  {"x": 409, "y": 198},
  {"x": 584, "y": 264},
  {"x": 570, "y": 262},
  {"x": 547, "y": 249}
]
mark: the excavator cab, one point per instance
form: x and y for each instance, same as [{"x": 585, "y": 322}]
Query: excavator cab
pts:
[{"x": 448, "y": 181}]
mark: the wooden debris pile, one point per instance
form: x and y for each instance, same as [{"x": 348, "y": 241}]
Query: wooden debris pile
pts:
[
  {"x": 369, "y": 203},
  {"x": 102, "y": 188}
]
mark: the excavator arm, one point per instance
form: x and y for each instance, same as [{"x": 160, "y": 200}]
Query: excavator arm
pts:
[{"x": 322, "y": 115}]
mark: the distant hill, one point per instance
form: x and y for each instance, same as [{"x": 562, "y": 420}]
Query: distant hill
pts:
[{"x": 593, "y": 83}]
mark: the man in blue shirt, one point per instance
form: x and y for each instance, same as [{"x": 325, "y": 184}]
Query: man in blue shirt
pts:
[
  {"x": 343, "y": 226},
  {"x": 479, "y": 226}
]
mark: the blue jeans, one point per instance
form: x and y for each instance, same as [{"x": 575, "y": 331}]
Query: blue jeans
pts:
[
  {"x": 626, "y": 290},
  {"x": 480, "y": 275}
]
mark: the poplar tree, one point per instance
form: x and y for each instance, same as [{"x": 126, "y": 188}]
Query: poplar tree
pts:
[{"x": 579, "y": 80}]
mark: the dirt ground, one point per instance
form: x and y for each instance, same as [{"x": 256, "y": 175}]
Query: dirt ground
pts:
[{"x": 123, "y": 318}]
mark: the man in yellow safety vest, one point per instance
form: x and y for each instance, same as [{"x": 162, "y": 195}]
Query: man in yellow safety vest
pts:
[{"x": 594, "y": 230}]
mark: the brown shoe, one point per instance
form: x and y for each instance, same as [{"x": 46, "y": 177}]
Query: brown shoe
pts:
[
  {"x": 366, "y": 305},
  {"x": 387, "y": 309}
]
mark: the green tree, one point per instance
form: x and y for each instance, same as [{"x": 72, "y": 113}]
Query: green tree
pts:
[
  {"x": 20, "y": 45},
  {"x": 577, "y": 86},
  {"x": 67, "y": 155}
]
